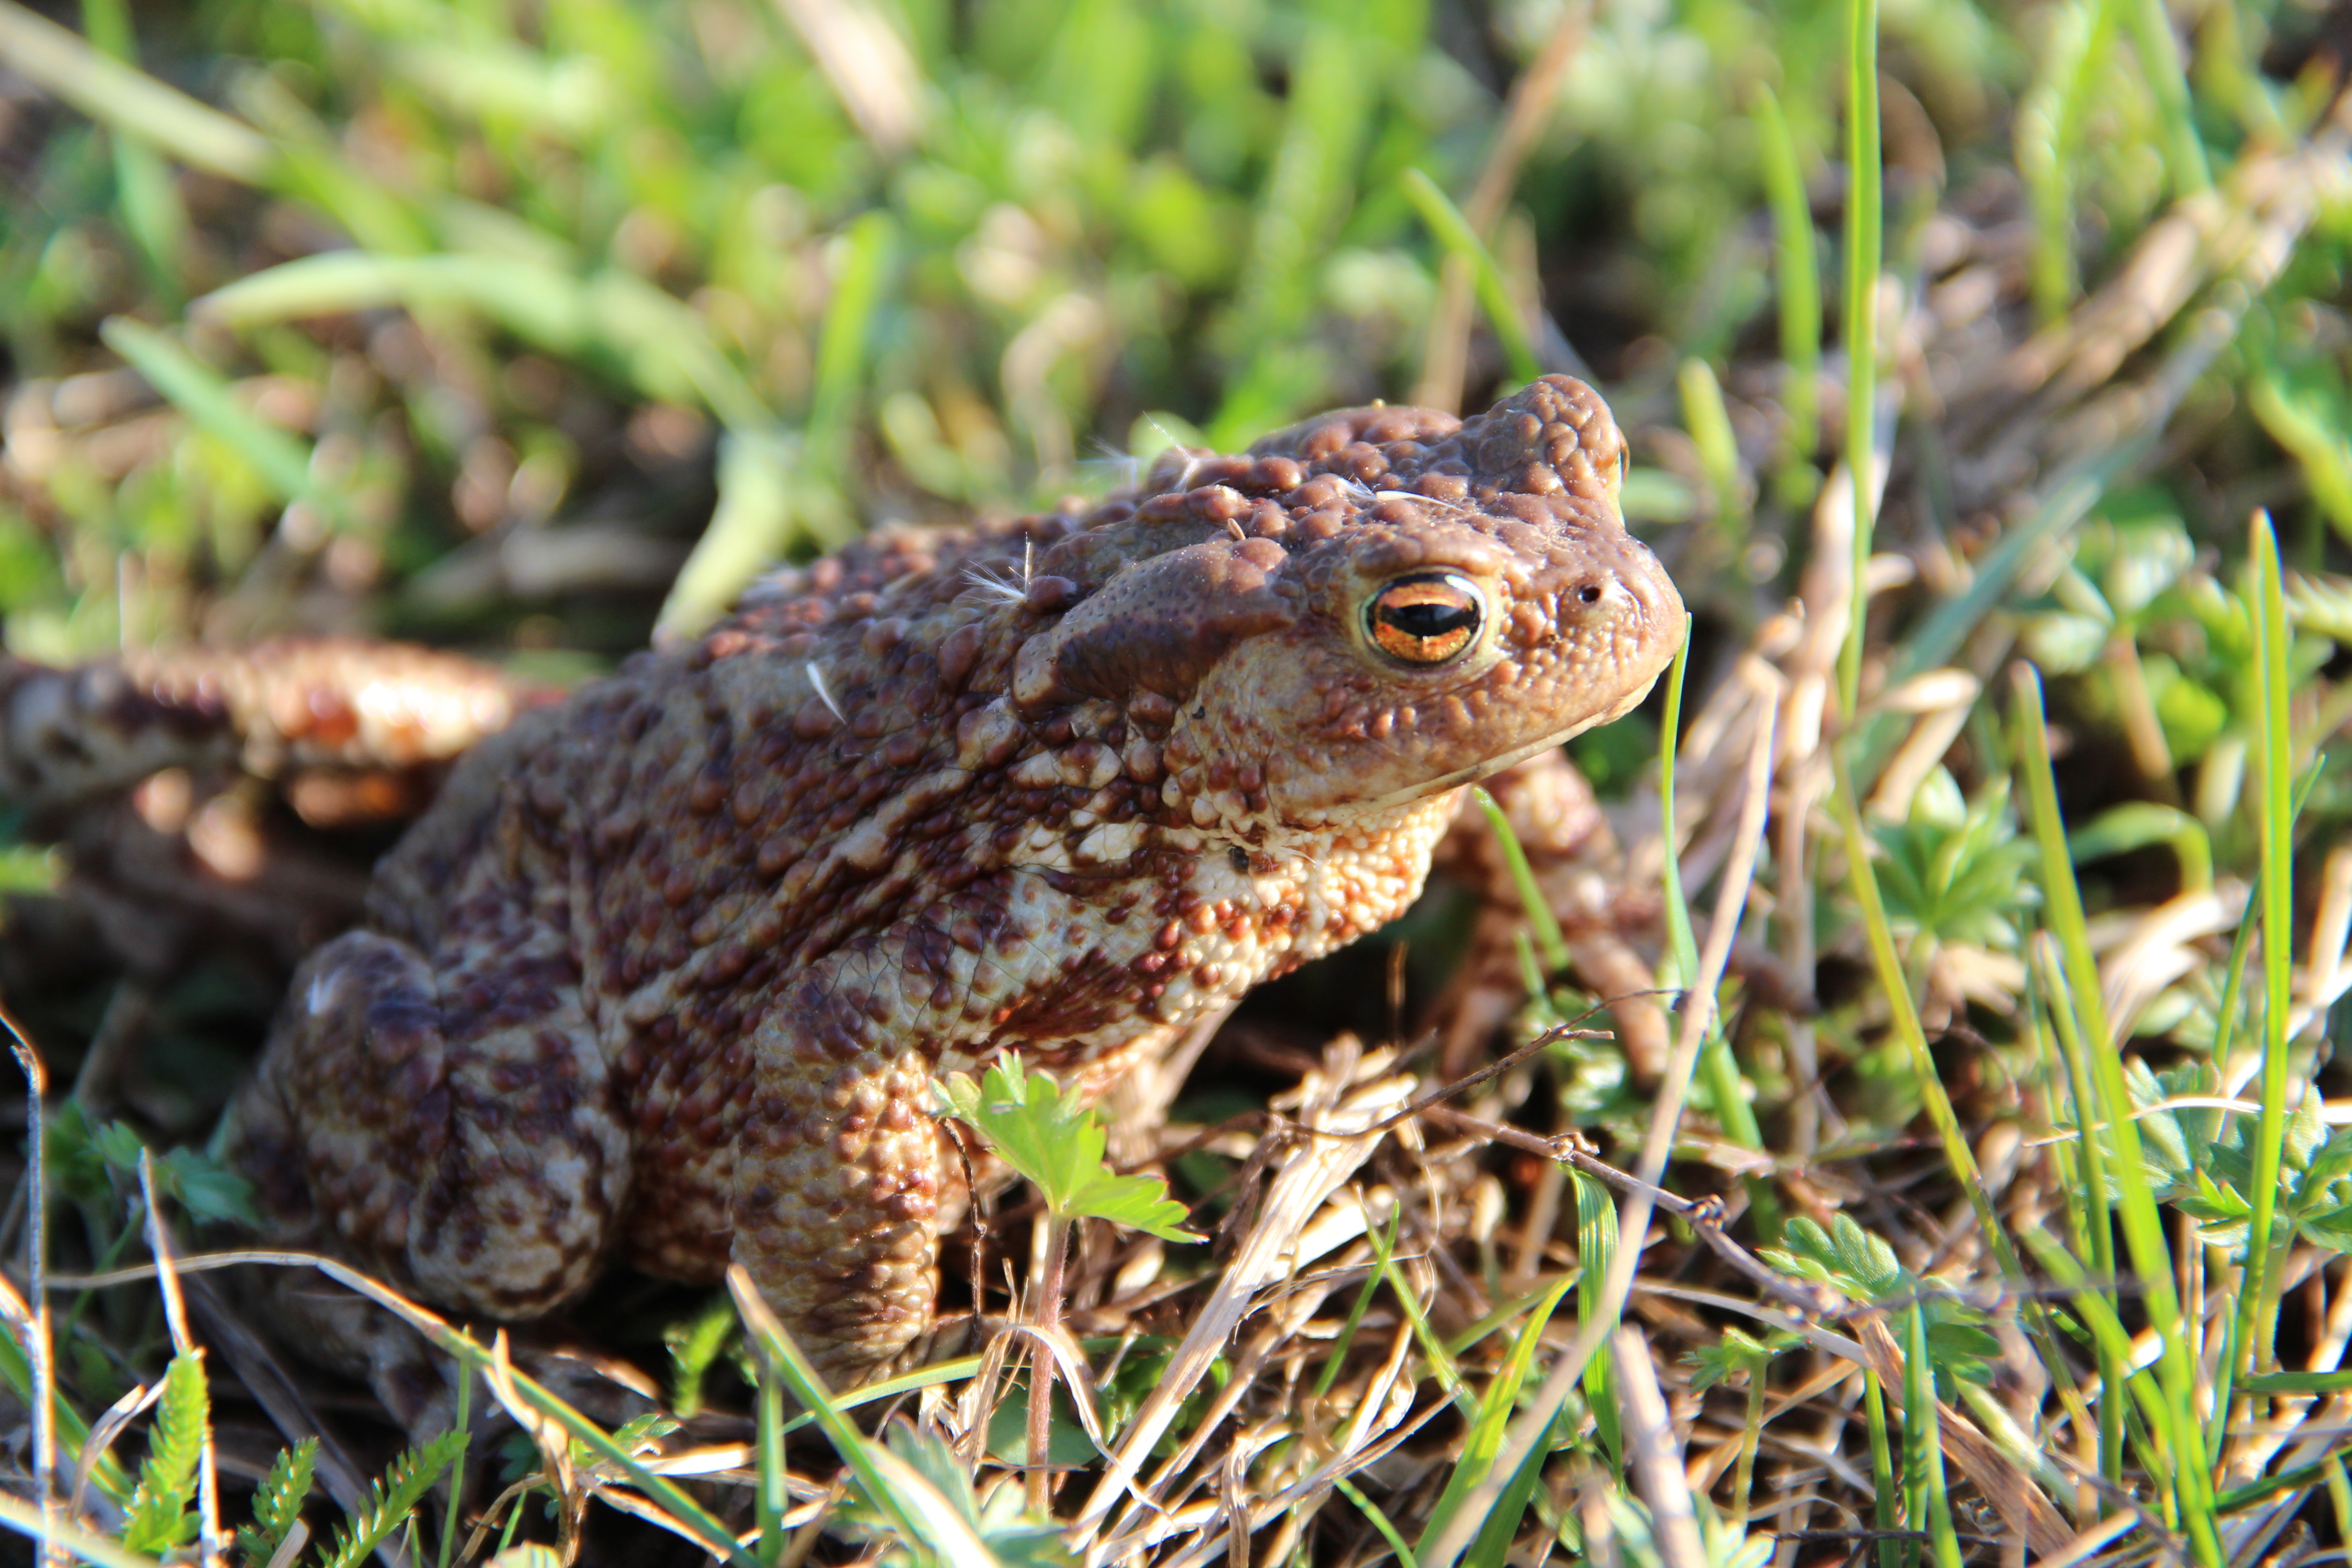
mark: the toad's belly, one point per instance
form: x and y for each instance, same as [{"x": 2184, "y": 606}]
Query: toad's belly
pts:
[{"x": 1088, "y": 977}]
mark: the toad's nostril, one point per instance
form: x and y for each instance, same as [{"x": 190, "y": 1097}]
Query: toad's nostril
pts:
[{"x": 1589, "y": 592}]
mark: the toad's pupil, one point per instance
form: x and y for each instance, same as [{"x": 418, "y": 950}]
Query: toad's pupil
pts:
[
  {"x": 1425, "y": 620},
  {"x": 1428, "y": 622}
]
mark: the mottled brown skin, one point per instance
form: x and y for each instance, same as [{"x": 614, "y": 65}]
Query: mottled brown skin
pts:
[{"x": 667, "y": 972}]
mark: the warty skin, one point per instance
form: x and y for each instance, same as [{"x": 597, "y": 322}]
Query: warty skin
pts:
[{"x": 667, "y": 973}]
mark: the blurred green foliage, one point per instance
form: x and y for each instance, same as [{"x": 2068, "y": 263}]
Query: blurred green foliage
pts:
[
  {"x": 489, "y": 266},
  {"x": 461, "y": 307}
]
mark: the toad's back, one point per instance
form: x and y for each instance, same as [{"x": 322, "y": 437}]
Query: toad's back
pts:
[{"x": 670, "y": 967}]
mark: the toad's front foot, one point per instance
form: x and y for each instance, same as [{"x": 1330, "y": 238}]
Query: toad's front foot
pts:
[{"x": 844, "y": 1181}]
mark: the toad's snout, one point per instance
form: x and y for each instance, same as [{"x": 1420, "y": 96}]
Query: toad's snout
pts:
[{"x": 1656, "y": 605}]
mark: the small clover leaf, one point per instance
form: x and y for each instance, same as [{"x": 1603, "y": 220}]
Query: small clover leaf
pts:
[
  {"x": 1849, "y": 1258},
  {"x": 1055, "y": 1142}
]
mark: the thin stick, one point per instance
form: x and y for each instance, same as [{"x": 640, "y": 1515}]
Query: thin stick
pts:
[
  {"x": 36, "y": 1267},
  {"x": 175, "y": 1317},
  {"x": 1656, "y": 1457}
]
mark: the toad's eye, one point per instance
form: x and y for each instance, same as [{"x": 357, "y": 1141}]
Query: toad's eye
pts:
[{"x": 1425, "y": 620}]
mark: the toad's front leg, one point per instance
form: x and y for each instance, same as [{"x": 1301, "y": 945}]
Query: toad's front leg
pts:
[{"x": 844, "y": 1180}]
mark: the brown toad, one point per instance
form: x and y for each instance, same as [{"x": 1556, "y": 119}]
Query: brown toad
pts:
[{"x": 666, "y": 973}]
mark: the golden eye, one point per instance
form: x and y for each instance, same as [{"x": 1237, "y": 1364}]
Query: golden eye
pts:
[{"x": 1425, "y": 620}]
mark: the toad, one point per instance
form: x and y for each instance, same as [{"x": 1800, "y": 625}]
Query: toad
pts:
[{"x": 666, "y": 973}]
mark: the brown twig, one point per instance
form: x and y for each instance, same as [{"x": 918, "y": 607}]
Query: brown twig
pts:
[{"x": 1446, "y": 358}]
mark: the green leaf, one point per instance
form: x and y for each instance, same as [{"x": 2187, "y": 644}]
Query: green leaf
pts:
[
  {"x": 159, "y": 1517},
  {"x": 695, "y": 1346},
  {"x": 1015, "y": 1538},
  {"x": 1056, "y": 1144},
  {"x": 1852, "y": 1261},
  {"x": 210, "y": 1191},
  {"x": 1739, "y": 1355},
  {"x": 393, "y": 1499},
  {"x": 83, "y": 1152},
  {"x": 278, "y": 1503}
]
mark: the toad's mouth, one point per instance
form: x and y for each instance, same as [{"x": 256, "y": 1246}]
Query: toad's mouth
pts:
[{"x": 1509, "y": 759}]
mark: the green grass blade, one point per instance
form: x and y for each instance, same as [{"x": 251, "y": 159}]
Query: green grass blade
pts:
[
  {"x": 1865, "y": 242},
  {"x": 769, "y": 1498},
  {"x": 1888, "y": 1516},
  {"x": 27, "y": 1520},
  {"x": 453, "y": 1521},
  {"x": 1798, "y": 283},
  {"x": 2296, "y": 1383},
  {"x": 202, "y": 394},
  {"x": 1384, "y": 1251},
  {"x": 129, "y": 101},
  {"x": 144, "y": 193},
  {"x": 1366, "y": 1507},
  {"x": 2141, "y": 823},
  {"x": 2088, "y": 1204},
  {"x": 1919, "y": 1423},
  {"x": 1919, "y": 1395},
  {"x": 1334, "y": 84},
  {"x": 1495, "y": 1408},
  {"x": 2234, "y": 979},
  {"x": 1492, "y": 1546},
  {"x": 842, "y": 343},
  {"x": 2136, "y": 1392},
  {"x": 1709, "y": 425},
  {"x": 657, "y": 342},
  {"x": 2159, "y": 58},
  {"x": 2266, "y": 599},
  {"x": 762, "y": 489},
  {"x": 2316, "y": 442},
  {"x": 1896, "y": 984},
  {"x": 2151, "y": 1259},
  {"x": 1682, "y": 945},
  {"x": 112, "y": 1481},
  {"x": 1540, "y": 920},
  {"x": 1454, "y": 233},
  {"x": 885, "y": 1486},
  {"x": 1596, "y": 1246}
]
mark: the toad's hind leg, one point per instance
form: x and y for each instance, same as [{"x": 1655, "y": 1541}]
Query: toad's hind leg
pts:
[
  {"x": 843, "y": 1182},
  {"x": 454, "y": 1132}
]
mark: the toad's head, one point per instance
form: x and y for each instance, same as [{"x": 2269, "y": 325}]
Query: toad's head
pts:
[{"x": 1366, "y": 609}]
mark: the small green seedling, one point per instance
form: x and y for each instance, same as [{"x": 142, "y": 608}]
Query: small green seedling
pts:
[
  {"x": 160, "y": 1516},
  {"x": 277, "y": 1502},
  {"x": 393, "y": 1498},
  {"x": 1056, "y": 1144},
  {"x": 1851, "y": 1259}
]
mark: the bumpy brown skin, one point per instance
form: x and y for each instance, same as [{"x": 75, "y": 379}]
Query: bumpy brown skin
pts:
[{"x": 669, "y": 971}]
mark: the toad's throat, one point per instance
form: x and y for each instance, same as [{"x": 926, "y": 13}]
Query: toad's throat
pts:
[{"x": 1502, "y": 760}]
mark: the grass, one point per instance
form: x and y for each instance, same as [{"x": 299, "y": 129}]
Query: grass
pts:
[{"x": 1988, "y": 841}]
